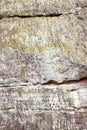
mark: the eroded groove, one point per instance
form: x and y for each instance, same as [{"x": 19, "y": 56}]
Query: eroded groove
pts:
[
  {"x": 30, "y": 16},
  {"x": 49, "y": 15},
  {"x": 45, "y": 15},
  {"x": 50, "y": 82},
  {"x": 35, "y": 16},
  {"x": 41, "y": 16},
  {"x": 64, "y": 82}
]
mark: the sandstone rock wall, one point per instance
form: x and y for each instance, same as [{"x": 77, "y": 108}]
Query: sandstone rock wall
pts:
[
  {"x": 43, "y": 65},
  {"x": 40, "y": 7}
]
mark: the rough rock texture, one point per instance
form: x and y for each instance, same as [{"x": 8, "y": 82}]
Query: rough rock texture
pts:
[
  {"x": 39, "y": 50},
  {"x": 40, "y": 7},
  {"x": 43, "y": 65},
  {"x": 49, "y": 107}
]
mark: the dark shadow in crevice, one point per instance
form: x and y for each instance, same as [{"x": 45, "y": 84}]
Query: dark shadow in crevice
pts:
[
  {"x": 64, "y": 82},
  {"x": 31, "y": 16}
]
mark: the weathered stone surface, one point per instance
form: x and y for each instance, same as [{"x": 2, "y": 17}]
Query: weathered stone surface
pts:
[
  {"x": 43, "y": 65},
  {"x": 41, "y": 50},
  {"x": 49, "y": 107},
  {"x": 40, "y": 7}
]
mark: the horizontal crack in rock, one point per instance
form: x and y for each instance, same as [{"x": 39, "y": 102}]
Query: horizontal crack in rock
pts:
[
  {"x": 64, "y": 82},
  {"x": 29, "y": 16},
  {"x": 43, "y": 15},
  {"x": 50, "y": 82}
]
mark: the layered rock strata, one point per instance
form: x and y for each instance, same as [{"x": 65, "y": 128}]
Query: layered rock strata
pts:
[
  {"x": 43, "y": 65},
  {"x": 50, "y": 107}
]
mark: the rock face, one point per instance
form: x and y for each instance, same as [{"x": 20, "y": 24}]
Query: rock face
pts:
[
  {"x": 38, "y": 53},
  {"x": 43, "y": 65},
  {"x": 40, "y": 7},
  {"x": 50, "y": 107}
]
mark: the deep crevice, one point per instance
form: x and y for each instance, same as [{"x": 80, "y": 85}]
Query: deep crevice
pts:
[
  {"x": 42, "y": 15},
  {"x": 35, "y": 16},
  {"x": 64, "y": 82},
  {"x": 50, "y": 82},
  {"x": 31, "y": 16}
]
